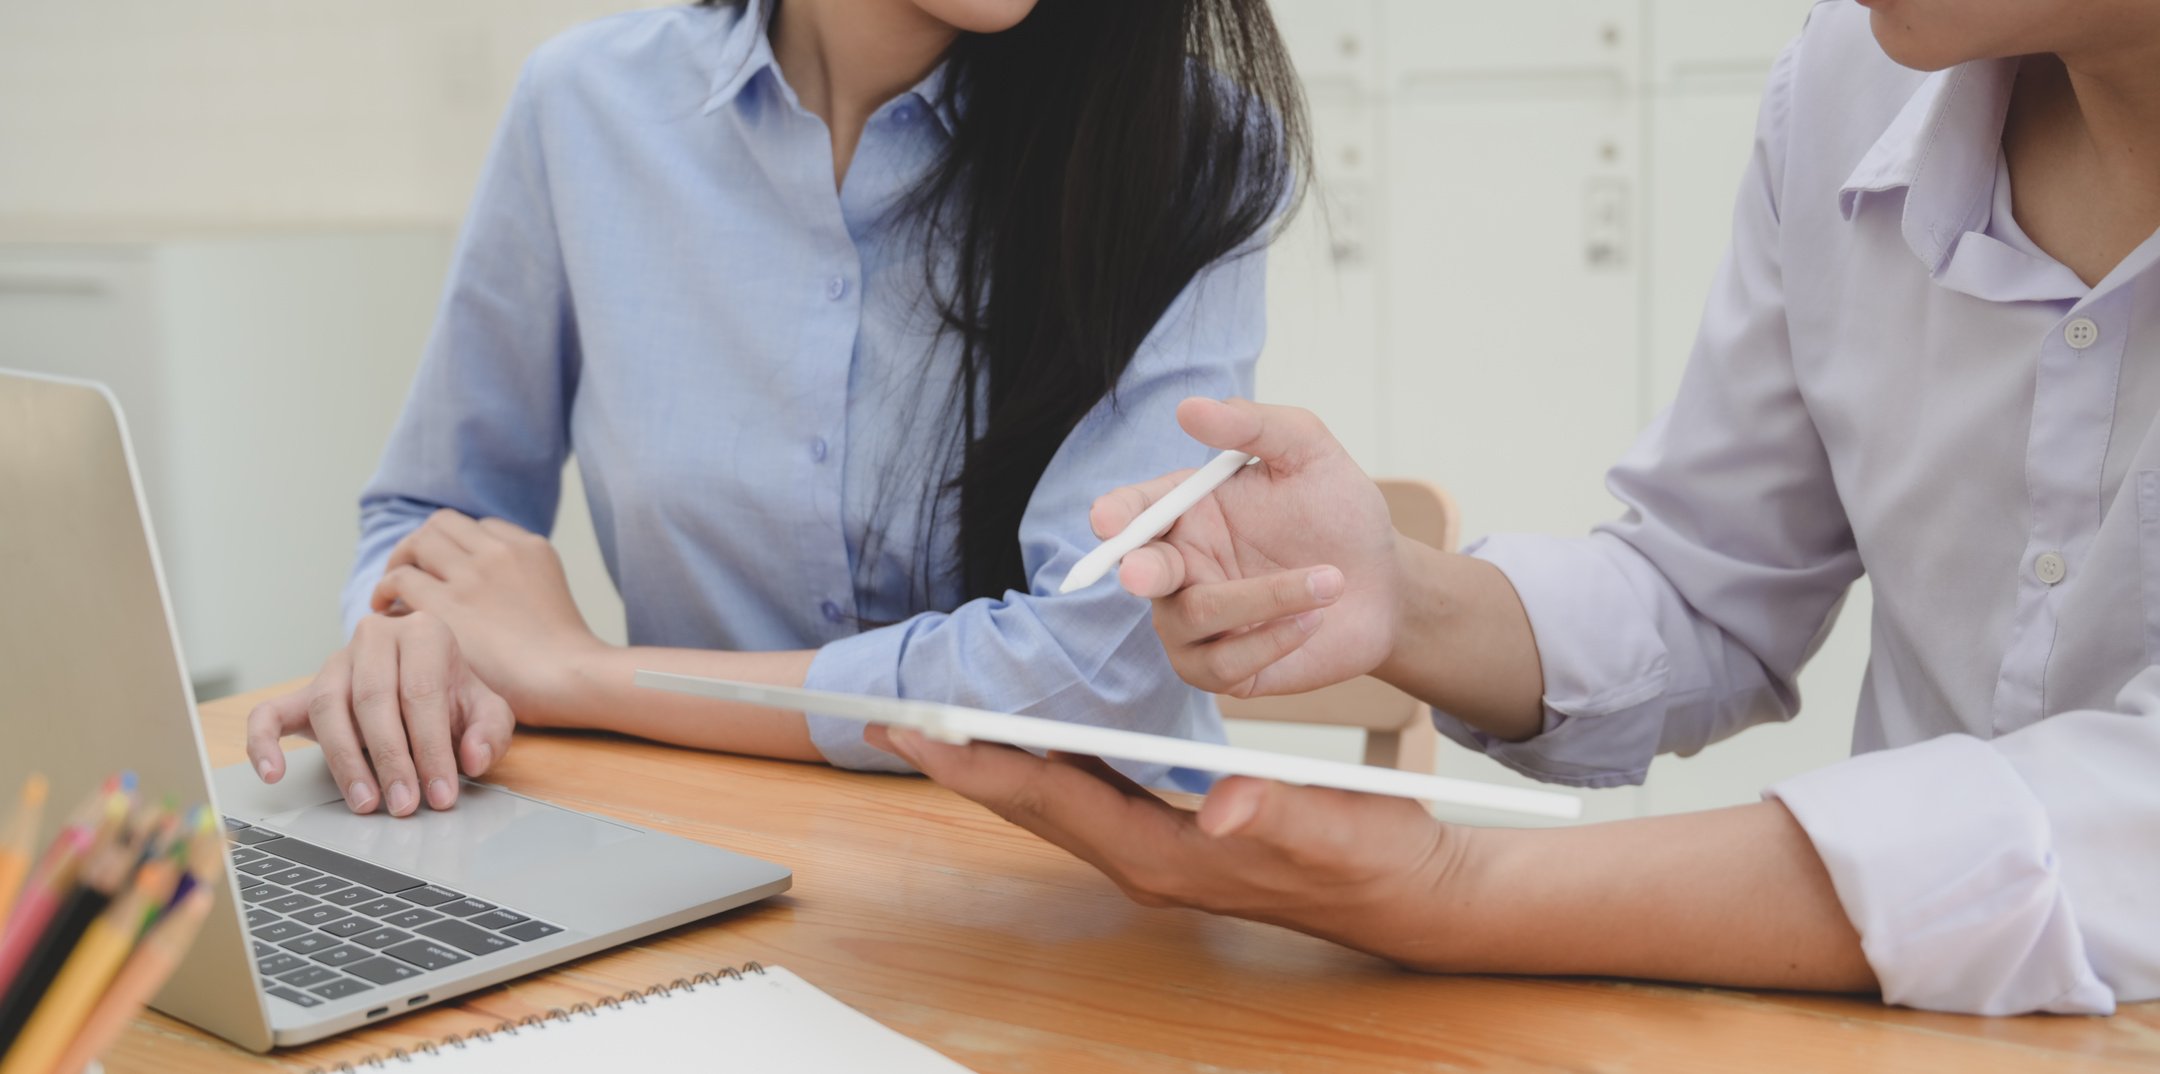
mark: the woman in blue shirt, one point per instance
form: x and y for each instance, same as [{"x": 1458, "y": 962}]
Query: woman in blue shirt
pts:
[{"x": 846, "y": 311}]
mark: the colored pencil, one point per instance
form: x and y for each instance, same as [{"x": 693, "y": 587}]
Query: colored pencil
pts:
[
  {"x": 54, "y": 882},
  {"x": 145, "y": 972},
  {"x": 15, "y": 845},
  {"x": 102, "y": 877},
  {"x": 88, "y": 969},
  {"x": 205, "y": 858}
]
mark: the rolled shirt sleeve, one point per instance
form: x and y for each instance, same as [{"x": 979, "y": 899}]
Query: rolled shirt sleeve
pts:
[
  {"x": 1091, "y": 656},
  {"x": 2005, "y": 876}
]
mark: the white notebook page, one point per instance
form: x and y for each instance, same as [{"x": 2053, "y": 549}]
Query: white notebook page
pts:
[{"x": 769, "y": 1021}]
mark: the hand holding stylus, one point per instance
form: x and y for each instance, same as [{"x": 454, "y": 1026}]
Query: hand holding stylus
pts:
[{"x": 1280, "y": 581}]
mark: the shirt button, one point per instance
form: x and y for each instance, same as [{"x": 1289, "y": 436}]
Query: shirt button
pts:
[
  {"x": 817, "y": 450},
  {"x": 830, "y": 611},
  {"x": 2081, "y": 333},
  {"x": 2050, "y": 567},
  {"x": 836, "y": 287}
]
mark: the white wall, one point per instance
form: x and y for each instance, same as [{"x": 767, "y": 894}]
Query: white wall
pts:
[{"x": 1494, "y": 286}]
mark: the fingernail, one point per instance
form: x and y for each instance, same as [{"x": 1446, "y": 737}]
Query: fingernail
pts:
[
  {"x": 438, "y": 793},
  {"x": 904, "y": 742},
  {"x": 262, "y": 768},
  {"x": 1232, "y": 816},
  {"x": 483, "y": 755},
  {"x": 1309, "y": 621},
  {"x": 401, "y": 799},
  {"x": 359, "y": 796},
  {"x": 1326, "y": 583}
]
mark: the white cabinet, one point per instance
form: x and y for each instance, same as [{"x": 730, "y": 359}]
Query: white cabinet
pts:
[
  {"x": 1511, "y": 371},
  {"x": 1323, "y": 335},
  {"x": 260, "y": 375}
]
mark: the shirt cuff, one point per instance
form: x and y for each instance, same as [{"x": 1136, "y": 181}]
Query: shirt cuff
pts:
[
  {"x": 865, "y": 663},
  {"x": 1603, "y": 660},
  {"x": 1943, "y": 860}
]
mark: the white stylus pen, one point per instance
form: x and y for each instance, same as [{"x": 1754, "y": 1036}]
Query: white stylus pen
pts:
[{"x": 1155, "y": 521}]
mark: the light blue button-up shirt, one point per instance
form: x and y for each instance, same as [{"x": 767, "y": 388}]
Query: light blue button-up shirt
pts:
[
  {"x": 658, "y": 275},
  {"x": 1891, "y": 376}
]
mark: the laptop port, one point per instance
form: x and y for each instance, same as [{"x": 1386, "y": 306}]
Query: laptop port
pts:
[
  {"x": 417, "y": 1000},
  {"x": 378, "y": 1012}
]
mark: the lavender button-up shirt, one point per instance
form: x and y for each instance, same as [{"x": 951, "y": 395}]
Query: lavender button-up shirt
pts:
[{"x": 1891, "y": 378}]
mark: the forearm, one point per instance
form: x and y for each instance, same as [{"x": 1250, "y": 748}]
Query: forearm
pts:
[
  {"x": 1729, "y": 897},
  {"x": 1463, "y": 643},
  {"x": 596, "y": 693}
]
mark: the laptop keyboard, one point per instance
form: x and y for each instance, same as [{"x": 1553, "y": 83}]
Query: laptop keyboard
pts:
[{"x": 327, "y": 926}]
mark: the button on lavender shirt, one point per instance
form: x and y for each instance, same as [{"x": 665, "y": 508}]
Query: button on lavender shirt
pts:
[{"x": 1891, "y": 377}]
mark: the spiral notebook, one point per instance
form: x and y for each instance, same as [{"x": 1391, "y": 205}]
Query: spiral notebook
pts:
[{"x": 757, "y": 1018}]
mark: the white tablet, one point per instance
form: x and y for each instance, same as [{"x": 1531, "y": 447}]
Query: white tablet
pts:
[{"x": 951, "y": 723}]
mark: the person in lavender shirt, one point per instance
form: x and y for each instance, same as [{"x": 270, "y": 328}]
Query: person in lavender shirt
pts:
[
  {"x": 846, "y": 310},
  {"x": 1933, "y": 355}
]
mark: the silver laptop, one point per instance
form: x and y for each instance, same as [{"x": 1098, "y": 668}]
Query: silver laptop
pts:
[{"x": 334, "y": 920}]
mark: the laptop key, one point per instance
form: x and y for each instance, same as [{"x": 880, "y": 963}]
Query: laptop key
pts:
[
  {"x": 319, "y": 915},
  {"x": 290, "y": 903},
  {"x": 232, "y": 825},
  {"x": 277, "y": 964},
  {"x": 251, "y": 836},
  {"x": 358, "y": 893},
  {"x": 340, "y": 988},
  {"x": 322, "y": 885},
  {"x": 293, "y": 876},
  {"x": 266, "y": 865},
  {"x": 244, "y": 855},
  {"x": 341, "y": 954},
  {"x": 292, "y": 996},
  {"x": 350, "y": 926},
  {"x": 465, "y": 937},
  {"x": 247, "y": 881},
  {"x": 498, "y": 919},
  {"x": 258, "y": 917},
  {"x": 412, "y": 919},
  {"x": 432, "y": 895},
  {"x": 425, "y": 954},
  {"x": 381, "y": 938},
  {"x": 262, "y": 948},
  {"x": 465, "y": 907},
  {"x": 278, "y": 930},
  {"x": 264, "y": 893},
  {"x": 353, "y": 869},
  {"x": 309, "y": 975},
  {"x": 382, "y": 970},
  {"x": 383, "y": 906},
  {"x": 308, "y": 944},
  {"x": 531, "y": 930}
]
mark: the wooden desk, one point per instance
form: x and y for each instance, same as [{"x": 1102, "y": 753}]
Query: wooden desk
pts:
[{"x": 944, "y": 922}]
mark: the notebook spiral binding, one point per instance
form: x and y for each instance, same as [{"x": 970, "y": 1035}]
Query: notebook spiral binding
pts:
[{"x": 461, "y": 1041}]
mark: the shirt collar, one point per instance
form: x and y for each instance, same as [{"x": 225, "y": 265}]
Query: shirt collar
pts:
[
  {"x": 1941, "y": 150},
  {"x": 746, "y": 52}
]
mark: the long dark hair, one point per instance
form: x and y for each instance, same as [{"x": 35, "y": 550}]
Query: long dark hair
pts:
[{"x": 1103, "y": 153}]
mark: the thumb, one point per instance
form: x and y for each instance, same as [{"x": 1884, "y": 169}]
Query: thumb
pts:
[
  {"x": 1283, "y": 437},
  {"x": 1282, "y": 815}
]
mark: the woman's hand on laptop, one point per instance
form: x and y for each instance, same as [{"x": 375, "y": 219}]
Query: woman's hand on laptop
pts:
[
  {"x": 398, "y": 712},
  {"x": 1284, "y": 580},
  {"x": 502, "y": 590}
]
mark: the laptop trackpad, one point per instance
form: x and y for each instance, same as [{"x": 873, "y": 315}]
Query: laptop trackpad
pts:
[{"x": 491, "y": 834}]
